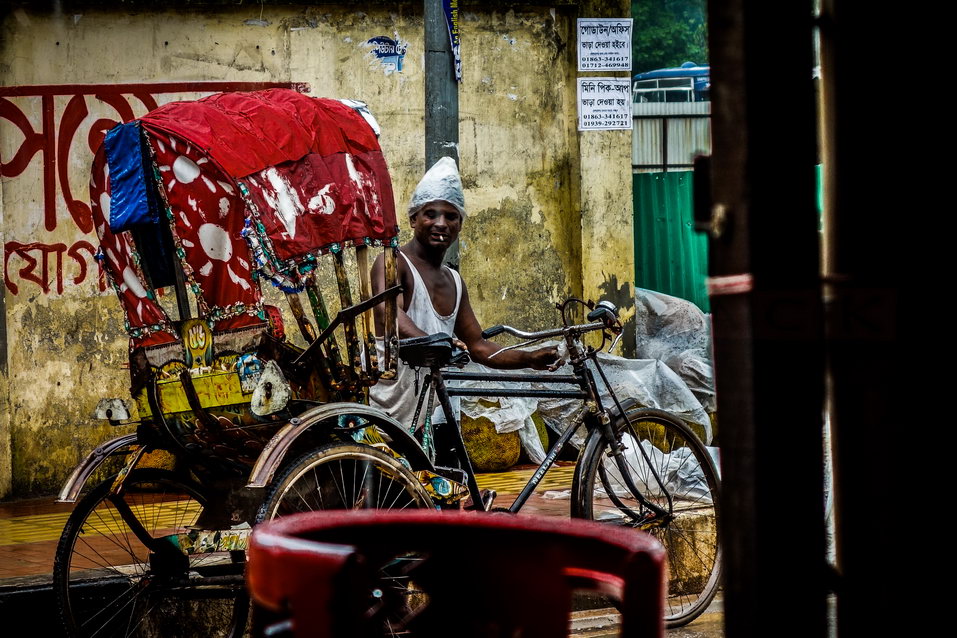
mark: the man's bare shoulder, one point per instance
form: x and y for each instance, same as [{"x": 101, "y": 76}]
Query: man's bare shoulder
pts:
[
  {"x": 403, "y": 271},
  {"x": 465, "y": 304}
]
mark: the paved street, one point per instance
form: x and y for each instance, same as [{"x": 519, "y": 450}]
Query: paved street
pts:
[
  {"x": 29, "y": 531},
  {"x": 604, "y": 623}
]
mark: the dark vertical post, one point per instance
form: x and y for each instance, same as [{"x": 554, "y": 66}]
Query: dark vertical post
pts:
[
  {"x": 872, "y": 203},
  {"x": 179, "y": 283},
  {"x": 441, "y": 96},
  {"x": 664, "y": 144},
  {"x": 768, "y": 328}
]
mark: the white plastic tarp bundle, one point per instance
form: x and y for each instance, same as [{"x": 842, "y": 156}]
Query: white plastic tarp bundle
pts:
[
  {"x": 678, "y": 472},
  {"x": 676, "y": 332},
  {"x": 650, "y": 382}
]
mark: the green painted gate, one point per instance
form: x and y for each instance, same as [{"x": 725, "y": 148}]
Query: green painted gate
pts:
[{"x": 670, "y": 256}]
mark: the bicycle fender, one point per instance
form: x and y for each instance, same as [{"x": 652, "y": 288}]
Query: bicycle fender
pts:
[
  {"x": 74, "y": 485},
  {"x": 328, "y": 414},
  {"x": 593, "y": 441}
]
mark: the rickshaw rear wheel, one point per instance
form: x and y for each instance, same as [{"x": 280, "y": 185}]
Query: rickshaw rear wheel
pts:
[
  {"x": 108, "y": 583},
  {"x": 353, "y": 476}
]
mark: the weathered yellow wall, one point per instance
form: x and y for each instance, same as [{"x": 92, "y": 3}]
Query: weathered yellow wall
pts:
[
  {"x": 549, "y": 208},
  {"x": 5, "y": 459},
  {"x": 521, "y": 246}
]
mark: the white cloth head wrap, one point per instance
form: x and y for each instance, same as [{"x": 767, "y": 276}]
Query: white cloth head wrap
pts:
[{"x": 440, "y": 183}]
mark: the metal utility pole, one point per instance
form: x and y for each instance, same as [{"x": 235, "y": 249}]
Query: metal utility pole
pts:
[
  {"x": 767, "y": 317},
  {"x": 441, "y": 97}
]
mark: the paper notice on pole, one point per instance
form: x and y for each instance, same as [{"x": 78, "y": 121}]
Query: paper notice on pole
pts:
[
  {"x": 604, "y": 44},
  {"x": 604, "y": 103},
  {"x": 451, "y": 8}
]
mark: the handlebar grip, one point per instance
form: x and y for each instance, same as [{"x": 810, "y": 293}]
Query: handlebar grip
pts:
[{"x": 488, "y": 333}]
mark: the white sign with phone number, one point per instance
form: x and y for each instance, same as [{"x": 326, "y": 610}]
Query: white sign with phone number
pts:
[
  {"x": 604, "y": 103},
  {"x": 604, "y": 44}
]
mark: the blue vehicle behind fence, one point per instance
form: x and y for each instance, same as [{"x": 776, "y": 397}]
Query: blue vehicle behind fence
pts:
[{"x": 687, "y": 83}]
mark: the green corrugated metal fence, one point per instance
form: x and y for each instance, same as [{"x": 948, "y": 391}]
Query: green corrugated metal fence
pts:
[{"x": 670, "y": 256}]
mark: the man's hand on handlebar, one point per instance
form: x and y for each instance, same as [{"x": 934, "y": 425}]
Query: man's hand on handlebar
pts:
[{"x": 544, "y": 358}]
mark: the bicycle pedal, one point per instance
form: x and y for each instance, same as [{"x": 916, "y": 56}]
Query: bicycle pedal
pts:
[{"x": 488, "y": 497}]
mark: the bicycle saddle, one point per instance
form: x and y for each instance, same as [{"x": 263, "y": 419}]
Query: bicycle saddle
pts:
[{"x": 432, "y": 351}]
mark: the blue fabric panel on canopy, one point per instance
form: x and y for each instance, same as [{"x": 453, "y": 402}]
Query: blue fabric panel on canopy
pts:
[{"x": 130, "y": 201}]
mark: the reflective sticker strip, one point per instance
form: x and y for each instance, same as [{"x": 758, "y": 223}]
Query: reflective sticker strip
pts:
[{"x": 730, "y": 284}]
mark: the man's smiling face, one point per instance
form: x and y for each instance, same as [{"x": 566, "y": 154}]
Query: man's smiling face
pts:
[{"x": 437, "y": 224}]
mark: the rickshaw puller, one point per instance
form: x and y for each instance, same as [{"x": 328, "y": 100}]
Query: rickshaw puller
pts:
[{"x": 434, "y": 298}]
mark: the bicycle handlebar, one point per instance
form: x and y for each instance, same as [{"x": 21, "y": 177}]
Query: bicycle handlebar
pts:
[
  {"x": 542, "y": 334},
  {"x": 605, "y": 313}
]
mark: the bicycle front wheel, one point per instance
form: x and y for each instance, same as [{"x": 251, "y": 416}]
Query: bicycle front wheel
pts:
[
  {"x": 665, "y": 482},
  {"x": 117, "y": 571}
]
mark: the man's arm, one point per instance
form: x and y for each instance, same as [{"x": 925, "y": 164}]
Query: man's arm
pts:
[
  {"x": 407, "y": 327},
  {"x": 469, "y": 331}
]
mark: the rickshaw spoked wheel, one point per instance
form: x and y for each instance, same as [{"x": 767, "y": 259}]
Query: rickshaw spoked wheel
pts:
[
  {"x": 107, "y": 581},
  {"x": 355, "y": 476},
  {"x": 342, "y": 476}
]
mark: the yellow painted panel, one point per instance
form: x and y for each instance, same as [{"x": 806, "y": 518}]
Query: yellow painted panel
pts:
[{"x": 214, "y": 390}]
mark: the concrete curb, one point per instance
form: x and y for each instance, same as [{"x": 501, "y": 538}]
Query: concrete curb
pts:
[{"x": 29, "y": 602}]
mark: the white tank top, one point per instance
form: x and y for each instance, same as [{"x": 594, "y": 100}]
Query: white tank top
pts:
[
  {"x": 422, "y": 312},
  {"x": 397, "y": 396}
]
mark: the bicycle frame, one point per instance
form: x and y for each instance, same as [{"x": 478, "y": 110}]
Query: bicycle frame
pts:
[
  {"x": 586, "y": 391},
  {"x": 592, "y": 415}
]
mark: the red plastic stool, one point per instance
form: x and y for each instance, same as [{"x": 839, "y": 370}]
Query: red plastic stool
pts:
[{"x": 458, "y": 574}]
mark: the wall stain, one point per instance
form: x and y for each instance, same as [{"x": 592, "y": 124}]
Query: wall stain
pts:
[
  {"x": 252, "y": 65},
  {"x": 622, "y": 295},
  {"x": 510, "y": 265},
  {"x": 65, "y": 361}
]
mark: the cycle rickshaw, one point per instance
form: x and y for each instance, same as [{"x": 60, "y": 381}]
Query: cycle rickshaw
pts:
[{"x": 235, "y": 424}]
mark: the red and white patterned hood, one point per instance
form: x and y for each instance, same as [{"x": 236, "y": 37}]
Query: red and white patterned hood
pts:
[{"x": 260, "y": 182}]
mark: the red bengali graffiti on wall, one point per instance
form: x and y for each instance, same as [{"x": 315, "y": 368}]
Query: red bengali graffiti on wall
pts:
[{"x": 65, "y": 117}]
